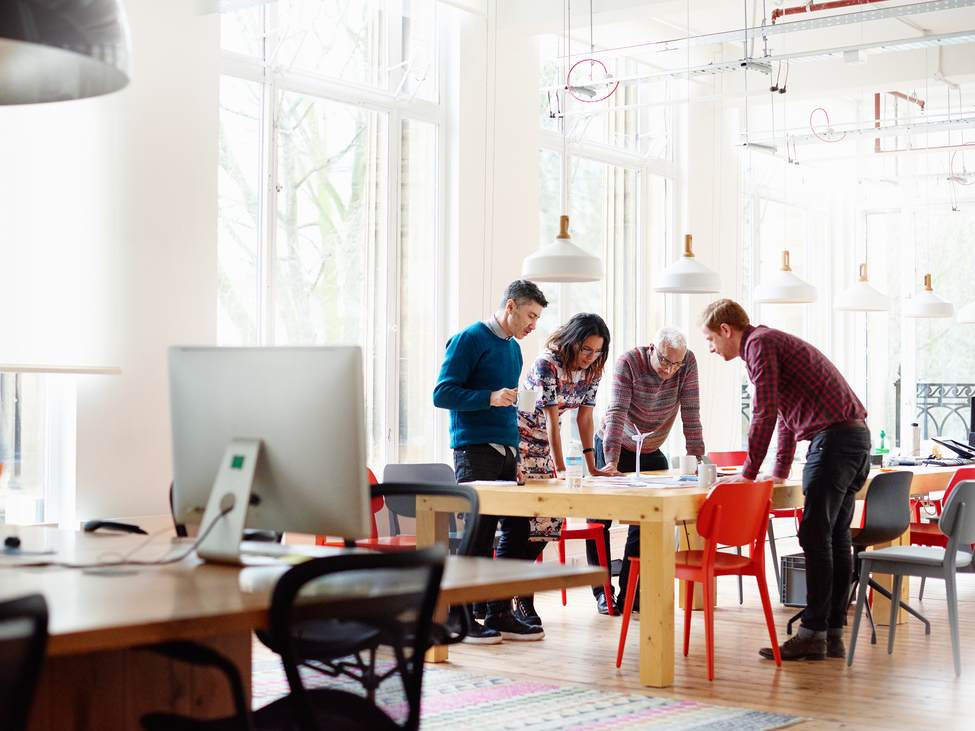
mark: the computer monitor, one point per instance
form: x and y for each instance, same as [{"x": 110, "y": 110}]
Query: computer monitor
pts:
[{"x": 271, "y": 438}]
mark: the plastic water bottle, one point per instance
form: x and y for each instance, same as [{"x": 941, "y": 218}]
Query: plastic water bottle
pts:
[
  {"x": 573, "y": 466},
  {"x": 915, "y": 440}
]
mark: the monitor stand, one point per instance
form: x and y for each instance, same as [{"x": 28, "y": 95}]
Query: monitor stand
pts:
[{"x": 228, "y": 503}]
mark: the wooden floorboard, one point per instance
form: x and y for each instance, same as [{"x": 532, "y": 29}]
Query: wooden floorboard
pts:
[{"x": 915, "y": 688}]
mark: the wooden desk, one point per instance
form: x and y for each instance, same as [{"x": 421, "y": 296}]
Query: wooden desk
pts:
[
  {"x": 97, "y": 679},
  {"x": 656, "y": 510}
]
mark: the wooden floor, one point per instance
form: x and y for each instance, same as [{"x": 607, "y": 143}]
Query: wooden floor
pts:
[{"x": 915, "y": 688}]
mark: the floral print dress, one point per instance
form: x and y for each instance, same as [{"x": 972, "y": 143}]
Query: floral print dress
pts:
[{"x": 556, "y": 387}]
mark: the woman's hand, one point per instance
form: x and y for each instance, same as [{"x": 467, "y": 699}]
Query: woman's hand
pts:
[{"x": 608, "y": 471}]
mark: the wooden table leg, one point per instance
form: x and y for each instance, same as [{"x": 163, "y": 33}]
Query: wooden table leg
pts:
[
  {"x": 431, "y": 528},
  {"x": 657, "y": 603}
]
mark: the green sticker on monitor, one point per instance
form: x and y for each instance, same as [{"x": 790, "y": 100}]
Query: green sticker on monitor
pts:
[{"x": 237, "y": 463}]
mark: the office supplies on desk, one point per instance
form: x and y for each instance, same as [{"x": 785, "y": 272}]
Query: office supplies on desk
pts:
[
  {"x": 908, "y": 461},
  {"x": 949, "y": 462}
]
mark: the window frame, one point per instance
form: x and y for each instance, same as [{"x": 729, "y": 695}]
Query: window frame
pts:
[{"x": 274, "y": 78}]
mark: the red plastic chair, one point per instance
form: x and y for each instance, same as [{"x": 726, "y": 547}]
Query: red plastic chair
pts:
[
  {"x": 737, "y": 459},
  {"x": 929, "y": 534},
  {"x": 593, "y": 532},
  {"x": 733, "y": 515}
]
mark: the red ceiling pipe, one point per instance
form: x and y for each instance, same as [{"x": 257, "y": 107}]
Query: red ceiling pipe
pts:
[
  {"x": 913, "y": 99},
  {"x": 876, "y": 112},
  {"x": 812, "y": 8}
]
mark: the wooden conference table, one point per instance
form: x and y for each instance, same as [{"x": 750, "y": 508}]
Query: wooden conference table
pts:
[
  {"x": 656, "y": 510},
  {"x": 95, "y": 676}
]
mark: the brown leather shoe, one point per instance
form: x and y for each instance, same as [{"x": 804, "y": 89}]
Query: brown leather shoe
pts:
[
  {"x": 835, "y": 647},
  {"x": 798, "y": 648}
]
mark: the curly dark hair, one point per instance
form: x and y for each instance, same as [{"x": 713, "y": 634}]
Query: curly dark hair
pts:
[{"x": 567, "y": 341}]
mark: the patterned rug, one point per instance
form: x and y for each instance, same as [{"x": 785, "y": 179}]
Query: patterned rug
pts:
[{"x": 454, "y": 700}]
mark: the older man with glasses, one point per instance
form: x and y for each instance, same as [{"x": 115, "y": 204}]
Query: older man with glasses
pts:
[{"x": 650, "y": 385}]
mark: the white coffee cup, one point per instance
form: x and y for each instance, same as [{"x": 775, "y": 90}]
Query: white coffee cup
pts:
[
  {"x": 707, "y": 474},
  {"x": 527, "y": 398},
  {"x": 688, "y": 464}
]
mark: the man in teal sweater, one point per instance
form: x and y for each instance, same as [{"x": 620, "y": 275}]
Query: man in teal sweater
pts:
[{"x": 478, "y": 383}]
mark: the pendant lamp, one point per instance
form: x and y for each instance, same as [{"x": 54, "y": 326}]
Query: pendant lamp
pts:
[
  {"x": 562, "y": 261},
  {"x": 784, "y": 287},
  {"x": 862, "y": 297},
  {"x": 927, "y": 304},
  {"x": 967, "y": 314},
  {"x": 55, "y": 51},
  {"x": 687, "y": 275}
]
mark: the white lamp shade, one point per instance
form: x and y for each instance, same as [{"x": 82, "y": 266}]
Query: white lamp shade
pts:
[
  {"x": 562, "y": 261},
  {"x": 687, "y": 275},
  {"x": 927, "y": 304},
  {"x": 967, "y": 313},
  {"x": 862, "y": 297},
  {"x": 784, "y": 287}
]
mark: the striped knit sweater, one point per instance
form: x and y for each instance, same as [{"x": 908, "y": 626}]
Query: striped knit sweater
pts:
[{"x": 642, "y": 401}]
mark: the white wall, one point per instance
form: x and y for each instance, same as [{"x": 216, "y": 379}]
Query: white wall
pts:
[{"x": 167, "y": 121}]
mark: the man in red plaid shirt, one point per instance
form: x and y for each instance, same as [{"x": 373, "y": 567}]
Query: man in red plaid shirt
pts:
[{"x": 797, "y": 386}]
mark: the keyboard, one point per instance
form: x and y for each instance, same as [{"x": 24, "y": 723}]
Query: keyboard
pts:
[{"x": 949, "y": 461}]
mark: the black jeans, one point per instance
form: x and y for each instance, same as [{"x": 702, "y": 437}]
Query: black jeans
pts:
[
  {"x": 836, "y": 468},
  {"x": 484, "y": 462},
  {"x": 627, "y": 463}
]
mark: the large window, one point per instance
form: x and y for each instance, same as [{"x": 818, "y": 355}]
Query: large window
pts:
[{"x": 330, "y": 196}]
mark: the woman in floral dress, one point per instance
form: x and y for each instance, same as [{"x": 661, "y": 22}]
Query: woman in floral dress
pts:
[{"x": 565, "y": 377}]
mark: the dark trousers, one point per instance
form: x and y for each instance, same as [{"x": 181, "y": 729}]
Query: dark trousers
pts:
[
  {"x": 626, "y": 463},
  {"x": 483, "y": 462},
  {"x": 836, "y": 468}
]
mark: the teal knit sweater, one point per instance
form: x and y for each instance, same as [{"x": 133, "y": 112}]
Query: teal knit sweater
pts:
[{"x": 478, "y": 362}]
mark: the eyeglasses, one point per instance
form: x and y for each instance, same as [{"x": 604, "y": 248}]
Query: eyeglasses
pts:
[
  {"x": 668, "y": 364},
  {"x": 589, "y": 351}
]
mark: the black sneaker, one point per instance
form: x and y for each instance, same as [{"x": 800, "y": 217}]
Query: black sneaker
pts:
[
  {"x": 478, "y": 634},
  {"x": 512, "y": 628},
  {"x": 480, "y": 610},
  {"x": 602, "y": 607},
  {"x": 524, "y": 610}
]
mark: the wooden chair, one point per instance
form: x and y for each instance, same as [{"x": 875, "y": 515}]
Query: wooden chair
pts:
[
  {"x": 957, "y": 522},
  {"x": 395, "y": 594},
  {"x": 23, "y": 641},
  {"x": 733, "y": 515},
  {"x": 929, "y": 534}
]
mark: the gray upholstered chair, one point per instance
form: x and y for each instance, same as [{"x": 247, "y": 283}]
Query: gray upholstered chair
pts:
[{"x": 958, "y": 523}]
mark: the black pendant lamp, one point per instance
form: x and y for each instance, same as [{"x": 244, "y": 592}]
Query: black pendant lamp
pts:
[{"x": 56, "y": 50}]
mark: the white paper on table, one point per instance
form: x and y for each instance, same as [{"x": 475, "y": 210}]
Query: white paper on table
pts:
[{"x": 644, "y": 481}]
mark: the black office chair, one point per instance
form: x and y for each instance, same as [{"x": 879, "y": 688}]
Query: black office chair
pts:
[
  {"x": 886, "y": 516},
  {"x": 348, "y": 648},
  {"x": 404, "y": 506},
  {"x": 393, "y": 593},
  {"x": 23, "y": 641}
]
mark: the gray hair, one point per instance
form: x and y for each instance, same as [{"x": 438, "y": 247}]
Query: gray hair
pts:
[{"x": 670, "y": 337}]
